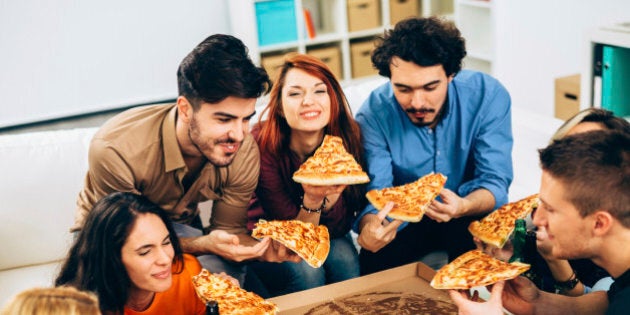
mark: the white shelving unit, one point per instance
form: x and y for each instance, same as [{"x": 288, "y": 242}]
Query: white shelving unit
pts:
[
  {"x": 331, "y": 22},
  {"x": 476, "y": 20}
]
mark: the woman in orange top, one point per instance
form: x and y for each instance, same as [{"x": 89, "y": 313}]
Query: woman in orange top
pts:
[{"x": 128, "y": 254}]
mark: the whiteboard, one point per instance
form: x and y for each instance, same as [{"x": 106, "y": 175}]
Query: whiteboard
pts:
[{"x": 62, "y": 58}]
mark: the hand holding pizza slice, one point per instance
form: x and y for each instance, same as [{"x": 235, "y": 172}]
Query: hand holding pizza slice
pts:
[
  {"x": 411, "y": 200},
  {"x": 309, "y": 241}
]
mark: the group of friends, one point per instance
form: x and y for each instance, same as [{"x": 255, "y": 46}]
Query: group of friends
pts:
[{"x": 139, "y": 237}]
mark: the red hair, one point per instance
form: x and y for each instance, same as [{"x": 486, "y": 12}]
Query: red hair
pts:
[{"x": 275, "y": 132}]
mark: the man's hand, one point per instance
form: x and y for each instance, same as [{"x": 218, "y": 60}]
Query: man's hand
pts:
[
  {"x": 503, "y": 254},
  {"x": 468, "y": 305},
  {"x": 520, "y": 295},
  {"x": 277, "y": 252},
  {"x": 229, "y": 246},
  {"x": 451, "y": 207},
  {"x": 378, "y": 231}
]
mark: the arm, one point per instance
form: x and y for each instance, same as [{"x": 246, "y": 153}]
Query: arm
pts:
[
  {"x": 108, "y": 172},
  {"x": 520, "y": 296},
  {"x": 491, "y": 155}
]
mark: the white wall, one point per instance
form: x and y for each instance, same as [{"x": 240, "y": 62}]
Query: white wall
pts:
[
  {"x": 540, "y": 40},
  {"x": 68, "y": 57}
]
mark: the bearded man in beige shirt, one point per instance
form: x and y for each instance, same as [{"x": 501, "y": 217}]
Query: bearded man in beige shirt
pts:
[{"x": 178, "y": 155}]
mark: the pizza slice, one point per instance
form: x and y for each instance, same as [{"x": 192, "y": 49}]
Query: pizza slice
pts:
[
  {"x": 310, "y": 242},
  {"x": 331, "y": 164},
  {"x": 411, "y": 200},
  {"x": 475, "y": 268},
  {"x": 496, "y": 227},
  {"x": 232, "y": 300}
]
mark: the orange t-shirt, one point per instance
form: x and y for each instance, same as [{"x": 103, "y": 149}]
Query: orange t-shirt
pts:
[{"x": 181, "y": 297}]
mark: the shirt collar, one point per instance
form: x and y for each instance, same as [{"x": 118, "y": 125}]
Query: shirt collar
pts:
[{"x": 173, "y": 158}]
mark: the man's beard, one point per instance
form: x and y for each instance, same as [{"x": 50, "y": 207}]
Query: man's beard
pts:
[
  {"x": 422, "y": 123},
  {"x": 208, "y": 149}
]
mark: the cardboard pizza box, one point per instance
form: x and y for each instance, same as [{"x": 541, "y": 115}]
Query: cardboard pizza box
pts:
[{"x": 401, "y": 290}]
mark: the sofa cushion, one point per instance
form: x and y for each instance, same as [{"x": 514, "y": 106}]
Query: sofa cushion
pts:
[{"x": 42, "y": 173}]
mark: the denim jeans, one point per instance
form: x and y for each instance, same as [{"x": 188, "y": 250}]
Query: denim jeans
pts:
[
  {"x": 212, "y": 262},
  {"x": 341, "y": 264}
]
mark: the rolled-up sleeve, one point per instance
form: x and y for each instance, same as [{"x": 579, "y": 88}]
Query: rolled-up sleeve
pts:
[{"x": 492, "y": 150}]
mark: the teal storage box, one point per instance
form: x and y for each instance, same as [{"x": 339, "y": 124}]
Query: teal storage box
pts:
[{"x": 276, "y": 22}]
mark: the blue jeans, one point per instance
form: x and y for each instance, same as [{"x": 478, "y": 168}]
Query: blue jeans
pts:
[
  {"x": 341, "y": 264},
  {"x": 212, "y": 262}
]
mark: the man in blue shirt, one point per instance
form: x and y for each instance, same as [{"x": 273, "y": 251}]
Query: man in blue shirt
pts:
[{"x": 432, "y": 117}]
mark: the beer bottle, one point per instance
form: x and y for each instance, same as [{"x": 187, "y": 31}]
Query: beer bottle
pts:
[
  {"x": 212, "y": 308},
  {"x": 520, "y": 232}
]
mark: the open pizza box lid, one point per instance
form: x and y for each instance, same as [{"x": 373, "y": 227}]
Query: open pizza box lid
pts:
[{"x": 401, "y": 290}]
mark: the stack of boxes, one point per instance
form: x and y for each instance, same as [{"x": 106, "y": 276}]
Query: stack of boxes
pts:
[{"x": 276, "y": 24}]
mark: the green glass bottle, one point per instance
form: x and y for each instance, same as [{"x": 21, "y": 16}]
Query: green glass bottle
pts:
[
  {"x": 520, "y": 232},
  {"x": 212, "y": 308}
]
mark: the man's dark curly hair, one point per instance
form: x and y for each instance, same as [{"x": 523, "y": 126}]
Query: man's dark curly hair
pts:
[{"x": 423, "y": 41}]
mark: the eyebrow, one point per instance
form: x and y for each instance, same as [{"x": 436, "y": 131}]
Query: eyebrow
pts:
[
  {"x": 143, "y": 247},
  {"x": 424, "y": 86},
  {"x": 230, "y": 116},
  {"x": 299, "y": 86}
]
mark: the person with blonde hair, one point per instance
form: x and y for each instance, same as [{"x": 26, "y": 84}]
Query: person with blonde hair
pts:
[{"x": 52, "y": 301}]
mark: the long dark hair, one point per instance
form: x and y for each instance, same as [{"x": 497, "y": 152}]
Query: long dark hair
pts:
[{"x": 94, "y": 262}]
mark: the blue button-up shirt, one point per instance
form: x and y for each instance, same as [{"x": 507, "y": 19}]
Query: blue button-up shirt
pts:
[{"x": 471, "y": 144}]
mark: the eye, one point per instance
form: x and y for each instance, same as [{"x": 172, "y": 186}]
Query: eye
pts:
[
  {"x": 144, "y": 252},
  {"x": 293, "y": 93},
  {"x": 167, "y": 241},
  {"x": 321, "y": 92}
]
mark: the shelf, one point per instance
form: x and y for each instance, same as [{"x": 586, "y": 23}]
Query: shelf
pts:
[
  {"x": 475, "y": 20},
  {"x": 476, "y": 3},
  {"x": 332, "y": 23}
]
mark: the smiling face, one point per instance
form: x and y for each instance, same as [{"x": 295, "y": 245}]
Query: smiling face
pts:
[
  {"x": 305, "y": 101},
  {"x": 420, "y": 91},
  {"x": 148, "y": 254},
  {"x": 562, "y": 231},
  {"x": 217, "y": 130}
]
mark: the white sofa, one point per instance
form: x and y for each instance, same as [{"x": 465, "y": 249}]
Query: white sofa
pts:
[{"x": 42, "y": 173}]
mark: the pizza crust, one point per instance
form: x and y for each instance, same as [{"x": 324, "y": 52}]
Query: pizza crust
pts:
[
  {"x": 475, "y": 268},
  {"x": 496, "y": 227},
  {"x": 331, "y": 164}
]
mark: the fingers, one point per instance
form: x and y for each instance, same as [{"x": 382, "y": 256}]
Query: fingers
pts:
[
  {"x": 497, "y": 290},
  {"x": 383, "y": 213},
  {"x": 392, "y": 226}
]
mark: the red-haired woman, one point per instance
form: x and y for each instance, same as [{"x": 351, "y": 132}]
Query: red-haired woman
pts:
[{"x": 305, "y": 104}]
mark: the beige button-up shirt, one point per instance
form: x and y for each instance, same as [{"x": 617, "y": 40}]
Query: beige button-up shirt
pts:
[{"x": 137, "y": 151}]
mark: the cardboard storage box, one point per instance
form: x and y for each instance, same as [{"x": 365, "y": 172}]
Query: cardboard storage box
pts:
[
  {"x": 401, "y": 9},
  {"x": 361, "y": 54},
  {"x": 402, "y": 290},
  {"x": 331, "y": 56},
  {"x": 271, "y": 63},
  {"x": 567, "y": 96},
  {"x": 276, "y": 21},
  {"x": 363, "y": 14}
]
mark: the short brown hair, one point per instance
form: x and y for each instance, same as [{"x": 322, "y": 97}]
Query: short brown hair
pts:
[{"x": 53, "y": 301}]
